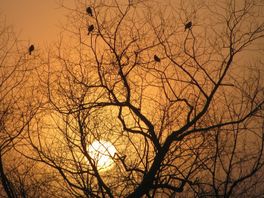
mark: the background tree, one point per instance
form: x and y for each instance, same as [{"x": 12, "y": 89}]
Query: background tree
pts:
[
  {"x": 190, "y": 123},
  {"x": 18, "y": 105}
]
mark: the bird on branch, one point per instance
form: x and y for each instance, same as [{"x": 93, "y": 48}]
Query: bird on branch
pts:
[
  {"x": 31, "y": 49},
  {"x": 90, "y": 29},
  {"x": 188, "y": 25},
  {"x": 89, "y": 11},
  {"x": 156, "y": 58}
]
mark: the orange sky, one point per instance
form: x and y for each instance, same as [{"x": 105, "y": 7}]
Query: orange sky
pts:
[{"x": 35, "y": 20}]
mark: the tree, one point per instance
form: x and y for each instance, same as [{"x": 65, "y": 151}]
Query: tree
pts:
[
  {"x": 191, "y": 124},
  {"x": 18, "y": 105}
]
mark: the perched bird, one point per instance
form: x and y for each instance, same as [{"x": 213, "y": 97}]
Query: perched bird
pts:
[
  {"x": 89, "y": 11},
  {"x": 156, "y": 58},
  {"x": 31, "y": 49},
  {"x": 90, "y": 29},
  {"x": 188, "y": 25}
]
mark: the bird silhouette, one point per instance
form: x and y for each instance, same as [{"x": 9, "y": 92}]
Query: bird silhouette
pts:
[
  {"x": 89, "y": 11},
  {"x": 188, "y": 25},
  {"x": 31, "y": 49},
  {"x": 156, "y": 58},
  {"x": 90, "y": 29}
]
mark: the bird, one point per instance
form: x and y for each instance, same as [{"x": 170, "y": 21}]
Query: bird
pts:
[
  {"x": 89, "y": 11},
  {"x": 90, "y": 29},
  {"x": 188, "y": 25},
  {"x": 156, "y": 58},
  {"x": 31, "y": 49}
]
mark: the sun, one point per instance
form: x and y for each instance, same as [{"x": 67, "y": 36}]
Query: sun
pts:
[{"x": 102, "y": 153}]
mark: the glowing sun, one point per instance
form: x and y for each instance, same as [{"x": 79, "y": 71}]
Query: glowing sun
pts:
[{"x": 102, "y": 153}]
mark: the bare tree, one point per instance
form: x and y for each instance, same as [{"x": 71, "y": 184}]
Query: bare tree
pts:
[
  {"x": 18, "y": 105},
  {"x": 172, "y": 100}
]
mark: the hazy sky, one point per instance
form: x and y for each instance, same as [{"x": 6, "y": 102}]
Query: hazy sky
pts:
[{"x": 35, "y": 20}]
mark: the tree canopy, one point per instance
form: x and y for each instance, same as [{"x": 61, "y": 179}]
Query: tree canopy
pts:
[{"x": 171, "y": 92}]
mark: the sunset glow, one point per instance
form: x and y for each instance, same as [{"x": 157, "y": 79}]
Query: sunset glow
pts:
[
  {"x": 102, "y": 152},
  {"x": 131, "y": 98}
]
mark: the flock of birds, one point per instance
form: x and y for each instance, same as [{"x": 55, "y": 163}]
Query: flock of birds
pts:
[
  {"x": 90, "y": 28},
  {"x": 90, "y": 13}
]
